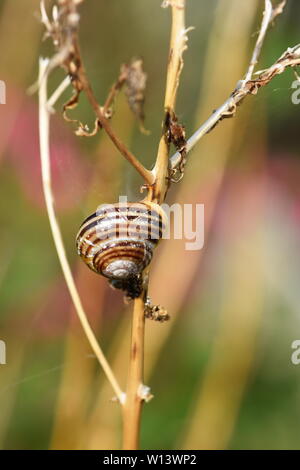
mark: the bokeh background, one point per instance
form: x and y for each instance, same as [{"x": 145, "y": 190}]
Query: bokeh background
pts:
[{"x": 220, "y": 369}]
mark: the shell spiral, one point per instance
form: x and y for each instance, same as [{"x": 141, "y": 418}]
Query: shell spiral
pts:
[{"x": 118, "y": 240}]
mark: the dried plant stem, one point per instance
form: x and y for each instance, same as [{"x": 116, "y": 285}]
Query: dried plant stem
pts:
[
  {"x": 146, "y": 174},
  {"x": 267, "y": 16},
  {"x": 44, "y": 121},
  {"x": 58, "y": 92},
  {"x": 134, "y": 397},
  {"x": 115, "y": 89},
  {"x": 175, "y": 64},
  {"x": 290, "y": 58},
  {"x": 132, "y": 408}
]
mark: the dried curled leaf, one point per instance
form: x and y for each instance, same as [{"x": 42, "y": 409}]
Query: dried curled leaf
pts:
[
  {"x": 83, "y": 130},
  {"x": 71, "y": 104},
  {"x": 133, "y": 77},
  {"x": 155, "y": 312},
  {"x": 62, "y": 27},
  {"x": 176, "y": 135},
  {"x": 135, "y": 83}
]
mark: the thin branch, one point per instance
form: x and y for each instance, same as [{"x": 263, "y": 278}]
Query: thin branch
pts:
[
  {"x": 175, "y": 65},
  {"x": 44, "y": 122},
  {"x": 133, "y": 78},
  {"x": 267, "y": 18},
  {"x": 58, "y": 92},
  {"x": 117, "y": 86},
  {"x": 278, "y": 9},
  {"x": 87, "y": 88},
  {"x": 269, "y": 15},
  {"x": 290, "y": 58}
]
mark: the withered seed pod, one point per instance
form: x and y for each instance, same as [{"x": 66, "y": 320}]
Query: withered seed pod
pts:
[{"x": 118, "y": 240}]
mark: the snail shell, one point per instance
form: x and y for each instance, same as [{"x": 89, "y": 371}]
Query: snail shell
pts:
[{"x": 118, "y": 240}]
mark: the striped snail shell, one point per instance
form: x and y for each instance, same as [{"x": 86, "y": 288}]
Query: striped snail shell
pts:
[{"x": 118, "y": 240}]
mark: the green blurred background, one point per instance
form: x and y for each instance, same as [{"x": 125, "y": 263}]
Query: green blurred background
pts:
[{"x": 220, "y": 370}]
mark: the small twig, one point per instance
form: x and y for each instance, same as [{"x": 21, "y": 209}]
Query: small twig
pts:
[
  {"x": 146, "y": 174},
  {"x": 267, "y": 18},
  {"x": 269, "y": 15},
  {"x": 103, "y": 121},
  {"x": 44, "y": 118},
  {"x": 290, "y": 58},
  {"x": 133, "y": 78},
  {"x": 278, "y": 9},
  {"x": 58, "y": 92},
  {"x": 117, "y": 86}
]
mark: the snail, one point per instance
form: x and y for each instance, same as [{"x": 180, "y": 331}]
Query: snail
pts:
[{"x": 117, "y": 241}]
